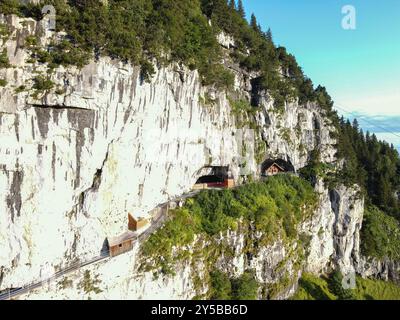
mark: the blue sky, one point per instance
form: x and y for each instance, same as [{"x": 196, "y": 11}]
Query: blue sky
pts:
[{"x": 360, "y": 68}]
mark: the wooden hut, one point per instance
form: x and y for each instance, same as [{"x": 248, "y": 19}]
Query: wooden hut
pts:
[
  {"x": 136, "y": 224},
  {"x": 273, "y": 169},
  {"x": 121, "y": 244}
]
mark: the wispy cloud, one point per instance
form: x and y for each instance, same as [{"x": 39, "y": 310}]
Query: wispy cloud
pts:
[
  {"x": 385, "y": 127},
  {"x": 376, "y": 123}
]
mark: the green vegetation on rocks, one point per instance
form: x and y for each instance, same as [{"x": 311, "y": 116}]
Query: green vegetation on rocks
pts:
[
  {"x": 372, "y": 164},
  {"x": 4, "y": 62},
  {"x": 380, "y": 235},
  {"x": 245, "y": 287},
  {"x": 222, "y": 287},
  {"x": 272, "y": 208},
  {"x": 10, "y": 7},
  {"x": 90, "y": 284},
  {"x": 134, "y": 31},
  {"x": 329, "y": 288},
  {"x": 58, "y": 53},
  {"x": 375, "y": 166},
  {"x": 4, "y": 32},
  {"x": 41, "y": 85},
  {"x": 144, "y": 31}
]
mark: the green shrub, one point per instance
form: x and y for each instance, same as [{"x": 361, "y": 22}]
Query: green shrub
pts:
[
  {"x": 380, "y": 235},
  {"x": 220, "y": 286},
  {"x": 147, "y": 70},
  {"x": 336, "y": 287},
  {"x": 65, "y": 283},
  {"x": 41, "y": 83},
  {"x": 20, "y": 89},
  {"x": 179, "y": 231},
  {"x": 285, "y": 135},
  {"x": 9, "y": 7},
  {"x": 65, "y": 53},
  {"x": 240, "y": 105},
  {"x": 31, "y": 41},
  {"x": 4, "y": 32},
  {"x": 58, "y": 53},
  {"x": 371, "y": 289},
  {"x": 89, "y": 284},
  {"x": 4, "y": 62},
  {"x": 245, "y": 287},
  {"x": 217, "y": 75},
  {"x": 3, "y": 83},
  {"x": 313, "y": 288}
]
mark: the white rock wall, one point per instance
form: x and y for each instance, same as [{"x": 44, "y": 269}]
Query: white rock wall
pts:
[
  {"x": 335, "y": 230},
  {"x": 72, "y": 165}
]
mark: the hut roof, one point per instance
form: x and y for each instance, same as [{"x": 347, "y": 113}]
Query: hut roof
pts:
[
  {"x": 269, "y": 165},
  {"x": 282, "y": 164},
  {"x": 122, "y": 238},
  {"x": 141, "y": 218}
]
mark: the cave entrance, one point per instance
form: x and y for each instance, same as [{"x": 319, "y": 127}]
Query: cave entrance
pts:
[
  {"x": 272, "y": 167},
  {"x": 214, "y": 177}
]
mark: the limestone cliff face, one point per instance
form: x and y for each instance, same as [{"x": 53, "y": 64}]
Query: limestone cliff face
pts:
[
  {"x": 386, "y": 269},
  {"x": 74, "y": 160},
  {"x": 334, "y": 230}
]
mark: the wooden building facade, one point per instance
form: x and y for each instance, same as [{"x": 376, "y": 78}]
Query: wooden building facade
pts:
[
  {"x": 120, "y": 245},
  {"x": 273, "y": 170},
  {"x": 136, "y": 224},
  {"x": 272, "y": 167}
]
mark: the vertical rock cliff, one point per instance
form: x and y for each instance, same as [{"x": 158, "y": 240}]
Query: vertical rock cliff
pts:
[{"x": 102, "y": 143}]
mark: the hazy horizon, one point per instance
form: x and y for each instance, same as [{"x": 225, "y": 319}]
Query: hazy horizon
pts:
[{"x": 360, "y": 68}]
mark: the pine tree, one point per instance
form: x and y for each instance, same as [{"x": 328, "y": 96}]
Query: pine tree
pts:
[
  {"x": 232, "y": 4},
  {"x": 241, "y": 9},
  {"x": 268, "y": 35},
  {"x": 254, "y": 24},
  {"x": 356, "y": 126},
  {"x": 207, "y": 7}
]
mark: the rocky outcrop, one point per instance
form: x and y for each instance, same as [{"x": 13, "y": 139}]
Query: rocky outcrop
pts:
[
  {"x": 335, "y": 230},
  {"x": 102, "y": 143},
  {"x": 348, "y": 207},
  {"x": 385, "y": 269}
]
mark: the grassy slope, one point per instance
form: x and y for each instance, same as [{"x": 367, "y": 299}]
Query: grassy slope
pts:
[
  {"x": 315, "y": 288},
  {"x": 275, "y": 207}
]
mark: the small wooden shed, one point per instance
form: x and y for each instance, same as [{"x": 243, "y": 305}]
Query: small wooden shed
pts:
[
  {"x": 271, "y": 167},
  {"x": 121, "y": 244},
  {"x": 135, "y": 224}
]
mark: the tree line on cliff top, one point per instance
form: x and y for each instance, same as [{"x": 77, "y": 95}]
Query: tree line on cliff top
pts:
[{"x": 139, "y": 31}]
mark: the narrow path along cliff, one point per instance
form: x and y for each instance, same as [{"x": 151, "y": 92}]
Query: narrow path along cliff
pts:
[{"x": 104, "y": 254}]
